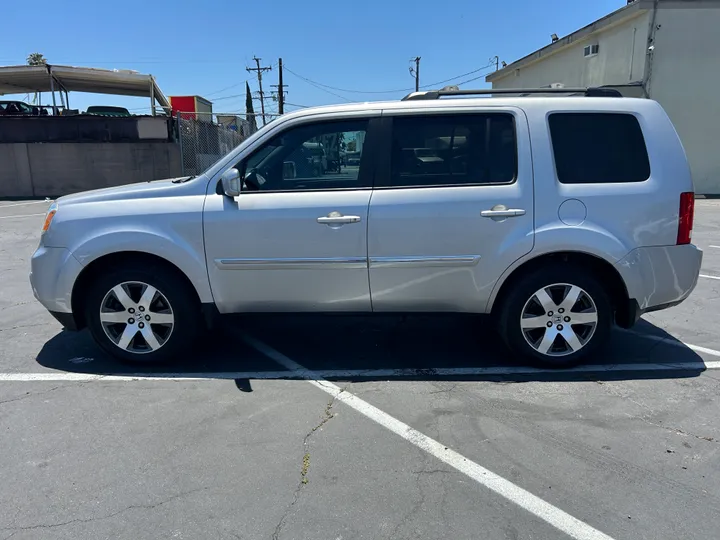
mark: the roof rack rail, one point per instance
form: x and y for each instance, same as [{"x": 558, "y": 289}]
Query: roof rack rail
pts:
[{"x": 597, "y": 91}]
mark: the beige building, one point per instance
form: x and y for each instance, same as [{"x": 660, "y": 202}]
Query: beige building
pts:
[{"x": 668, "y": 50}]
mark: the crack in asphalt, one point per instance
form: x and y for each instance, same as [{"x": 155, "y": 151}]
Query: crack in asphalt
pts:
[
  {"x": 674, "y": 430},
  {"x": 35, "y": 394},
  {"x": 23, "y": 326},
  {"x": 327, "y": 416},
  {"x": 645, "y": 419},
  {"x": 417, "y": 505},
  {"x": 447, "y": 390},
  {"x": 89, "y": 520},
  {"x": 31, "y": 394}
]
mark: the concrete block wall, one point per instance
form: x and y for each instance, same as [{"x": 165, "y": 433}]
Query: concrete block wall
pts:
[{"x": 55, "y": 169}]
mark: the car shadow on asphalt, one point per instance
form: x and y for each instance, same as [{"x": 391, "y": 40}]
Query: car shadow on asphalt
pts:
[{"x": 357, "y": 348}]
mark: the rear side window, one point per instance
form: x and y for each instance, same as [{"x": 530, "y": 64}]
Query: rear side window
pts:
[
  {"x": 452, "y": 149},
  {"x": 598, "y": 148}
]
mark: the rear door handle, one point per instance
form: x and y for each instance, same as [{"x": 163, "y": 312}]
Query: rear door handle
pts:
[
  {"x": 335, "y": 218},
  {"x": 501, "y": 211}
]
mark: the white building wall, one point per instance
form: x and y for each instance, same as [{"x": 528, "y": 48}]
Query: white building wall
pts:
[
  {"x": 684, "y": 73},
  {"x": 620, "y": 60},
  {"x": 684, "y": 78}
]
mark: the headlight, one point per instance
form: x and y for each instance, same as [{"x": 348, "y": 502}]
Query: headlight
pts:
[{"x": 49, "y": 217}]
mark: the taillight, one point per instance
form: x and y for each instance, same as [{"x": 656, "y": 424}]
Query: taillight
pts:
[{"x": 687, "y": 212}]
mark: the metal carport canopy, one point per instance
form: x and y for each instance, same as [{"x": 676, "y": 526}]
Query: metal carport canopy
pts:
[{"x": 24, "y": 79}]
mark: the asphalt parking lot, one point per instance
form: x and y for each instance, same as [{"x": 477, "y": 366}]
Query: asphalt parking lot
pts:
[{"x": 343, "y": 427}]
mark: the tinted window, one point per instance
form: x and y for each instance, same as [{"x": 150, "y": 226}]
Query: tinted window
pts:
[
  {"x": 311, "y": 157},
  {"x": 455, "y": 149},
  {"x": 598, "y": 148}
]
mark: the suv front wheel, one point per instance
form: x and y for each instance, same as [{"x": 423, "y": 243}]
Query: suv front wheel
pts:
[
  {"x": 557, "y": 316},
  {"x": 142, "y": 314}
]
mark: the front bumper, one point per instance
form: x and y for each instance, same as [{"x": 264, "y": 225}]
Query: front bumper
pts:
[
  {"x": 67, "y": 320},
  {"x": 661, "y": 276},
  {"x": 53, "y": 272}
]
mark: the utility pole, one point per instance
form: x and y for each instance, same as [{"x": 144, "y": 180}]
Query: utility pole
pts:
[
  {"x": 497, "y": 62},
  {"x": 259, "y": 71},
  {"x": 280, "y": 88},
  {"x": 417, "y": 73}
]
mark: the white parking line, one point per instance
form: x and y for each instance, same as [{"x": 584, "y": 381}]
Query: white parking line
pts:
[
  {"x": 48, "y": 201},
  {"x": 22, "y": 216},
  {"x": 674, "y": 342},
  {"x": 559, "y": 519},
  {"x": 716, "y": 247},
  {"x": 709, "y": 277},
  {"x": 387, "y": 373}
]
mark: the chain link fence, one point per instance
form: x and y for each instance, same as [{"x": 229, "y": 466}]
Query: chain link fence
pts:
[{"x": 206, "y": 137}]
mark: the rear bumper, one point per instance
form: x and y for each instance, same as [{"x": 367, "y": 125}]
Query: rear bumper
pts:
[
  {"x": 660, "y": 277},
  {"x": 53, "y": 272}
]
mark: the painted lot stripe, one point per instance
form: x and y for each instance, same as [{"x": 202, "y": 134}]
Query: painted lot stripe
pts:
[
  {"x": 21, "y": 216},
  {"x": 559, "y": 519},
  {"x": 675, "y": 343},
  {"x": 716, "y": 247},
  {"x": 48, "y": 201},
  {"x": 384, "y": 373},
  {"x": 60, "y": 376},
  {"x": 709, "y": 277}
]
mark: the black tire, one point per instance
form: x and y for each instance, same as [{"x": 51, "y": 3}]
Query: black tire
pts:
[
  {"x": 183, "y": 305},
  {"x": 525, "y": 288}
]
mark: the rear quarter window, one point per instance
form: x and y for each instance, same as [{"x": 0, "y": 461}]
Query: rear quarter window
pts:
[{"x": 598, "y": 148}]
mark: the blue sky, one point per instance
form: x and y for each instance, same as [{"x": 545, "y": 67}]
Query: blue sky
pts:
[{"x": 203, "y": 47}]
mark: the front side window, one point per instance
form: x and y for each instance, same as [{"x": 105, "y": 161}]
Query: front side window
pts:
[
  {"x": 312, "y": 157},
  {"x": 452, "y": 150},
  {"x": 598, "y": 148}
]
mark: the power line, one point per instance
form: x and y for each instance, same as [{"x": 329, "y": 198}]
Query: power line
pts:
[
  {"x": 458, "y": 76},
  {"x": 225, "y": 89},
  {"x": 430, "y": 85},
  {"x": 228, "y": 97},
  {"x": 475, "y": 78},
  {"x": 316, "y": 85}
]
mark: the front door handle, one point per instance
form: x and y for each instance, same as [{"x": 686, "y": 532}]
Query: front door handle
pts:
[
  {"x": 336, "y": 218},
  {"x": 502, "y": 212}
]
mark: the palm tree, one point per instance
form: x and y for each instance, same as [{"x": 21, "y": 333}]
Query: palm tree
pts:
[{"x": 36, "y": 59}]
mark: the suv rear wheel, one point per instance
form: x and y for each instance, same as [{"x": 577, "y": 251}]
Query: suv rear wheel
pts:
[
  {"x": 556, "y": 316},
  {"x": 142, "y": 314}
]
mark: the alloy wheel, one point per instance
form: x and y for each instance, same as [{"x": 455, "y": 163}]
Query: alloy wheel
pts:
[
  {"x": 137, "y": 317},
  {"x": 559, "y": 319}
]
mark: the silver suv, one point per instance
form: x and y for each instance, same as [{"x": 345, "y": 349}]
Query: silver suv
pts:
[{"x": 558, "y": 215}]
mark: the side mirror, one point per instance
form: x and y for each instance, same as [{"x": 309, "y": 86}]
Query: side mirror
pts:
[{"x": 231, "y": 182}]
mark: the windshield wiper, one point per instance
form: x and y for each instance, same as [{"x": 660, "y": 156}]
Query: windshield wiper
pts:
[{"x": 184, "y": 179}]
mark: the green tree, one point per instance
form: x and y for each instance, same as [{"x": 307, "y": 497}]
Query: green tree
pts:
[
  {"x": 36, "y": 59},
  {"x": 249, "y": 109}
]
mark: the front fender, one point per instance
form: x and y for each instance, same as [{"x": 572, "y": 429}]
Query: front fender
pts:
[
  {"x": 588, "y": 239},
  {"x": 184, "y": 252}
]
